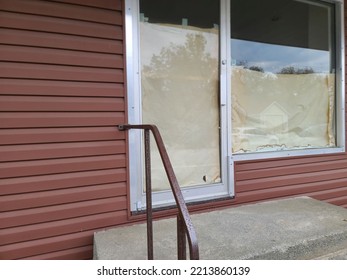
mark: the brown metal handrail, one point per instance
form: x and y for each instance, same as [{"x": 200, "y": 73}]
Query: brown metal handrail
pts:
[{"x": 184, "y": 223}]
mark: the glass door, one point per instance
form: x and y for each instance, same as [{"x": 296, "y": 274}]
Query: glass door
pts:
[{"x": 180, "y": 92}]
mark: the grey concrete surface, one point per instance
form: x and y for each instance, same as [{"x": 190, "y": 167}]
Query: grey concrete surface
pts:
[
  {"x": 295, "y": 228},
  {"x": 337, "y": 255}
]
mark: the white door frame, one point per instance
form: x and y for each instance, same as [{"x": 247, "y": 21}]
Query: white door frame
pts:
[{"x": 136, "y": 160}]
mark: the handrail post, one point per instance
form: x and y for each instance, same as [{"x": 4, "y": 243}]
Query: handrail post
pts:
[
  {"x": 150, "y": 255},
  {"x": 181, "y": 239}
]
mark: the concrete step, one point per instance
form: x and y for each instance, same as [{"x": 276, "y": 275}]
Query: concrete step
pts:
[
  {"x": 337, "y": 255},
  {"x": 295, "y": 228}
]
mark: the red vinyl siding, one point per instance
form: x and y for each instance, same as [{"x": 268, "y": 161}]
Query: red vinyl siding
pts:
[
  {"x": 62, "y": 161},
  {"x": 323, "y": 178}
]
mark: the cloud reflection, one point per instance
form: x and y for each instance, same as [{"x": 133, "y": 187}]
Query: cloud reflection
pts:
[{"x": 273, "y": 58}]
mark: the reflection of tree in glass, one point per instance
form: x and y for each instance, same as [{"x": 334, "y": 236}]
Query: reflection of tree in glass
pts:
[
  {"x": 293, "y": 70},
  {"x": 256, "y": 68},
  {"x": 189, "y": 61},
  {"x": 180, "y": 86},
  {"x": 244, "y": 63}
]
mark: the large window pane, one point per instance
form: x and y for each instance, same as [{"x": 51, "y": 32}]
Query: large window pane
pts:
[
  {"x": 179, "y": 54},
  {"x": 283, "y": 75}
]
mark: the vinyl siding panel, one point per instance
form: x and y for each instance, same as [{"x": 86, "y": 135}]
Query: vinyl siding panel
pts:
[
  {"x": 106, "y": 4},
  {"x": 65, "y": 42},
  {"x": 64, "y": 57},
  {"x": 58, "y": 72},
  {"x": 323, "y": 178},
  {"x": 46, "y": 248},
  {"x": 60, "y": 104},
  {"x": 64, "y": 10},
  {"x": 61, "y": 150},
  {"x": 59, "y": 26},
  {"x": 60, "y": 88},
  {"x": 62, "y": 160},
  {"x": 61, "y": 181}
]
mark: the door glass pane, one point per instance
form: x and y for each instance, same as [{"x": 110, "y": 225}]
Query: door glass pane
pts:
[
  {"x": 283, "y": 75},
  {"x": 179, "y": 58}
]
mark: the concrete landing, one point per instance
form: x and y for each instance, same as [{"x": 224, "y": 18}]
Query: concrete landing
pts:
[{"x": 295, "y": 228}]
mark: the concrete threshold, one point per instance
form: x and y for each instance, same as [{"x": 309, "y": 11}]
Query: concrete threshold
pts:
[{"x": 292, "y": 229}]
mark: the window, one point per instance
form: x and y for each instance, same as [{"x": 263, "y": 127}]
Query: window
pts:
[
  {"x": 285, "y": 75},
  {"x": 179, "y": 56}
]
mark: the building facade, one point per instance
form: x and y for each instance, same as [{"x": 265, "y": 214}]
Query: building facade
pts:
[{"x": 249, "y": 97}]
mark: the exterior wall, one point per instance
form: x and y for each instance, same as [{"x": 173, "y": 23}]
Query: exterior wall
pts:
[{"x": 62, "y": 161}]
